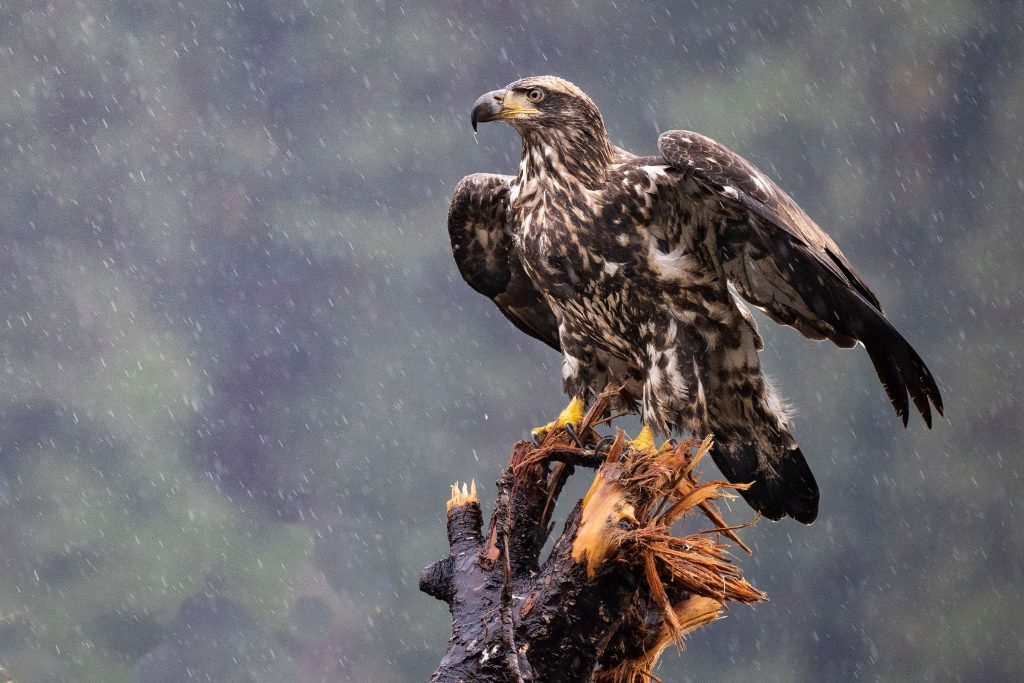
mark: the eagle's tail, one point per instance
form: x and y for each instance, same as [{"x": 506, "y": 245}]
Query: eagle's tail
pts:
[{"x": 782, "y": 483}]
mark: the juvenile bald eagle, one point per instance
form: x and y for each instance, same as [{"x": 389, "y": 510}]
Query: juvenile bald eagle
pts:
[{"x": 631, "y": 267}]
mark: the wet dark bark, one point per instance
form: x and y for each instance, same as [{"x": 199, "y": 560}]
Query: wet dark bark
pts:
[{"x": 513, "y": 620}]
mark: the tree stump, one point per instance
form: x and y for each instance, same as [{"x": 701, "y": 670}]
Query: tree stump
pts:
[{"x": 618, "y": 587}]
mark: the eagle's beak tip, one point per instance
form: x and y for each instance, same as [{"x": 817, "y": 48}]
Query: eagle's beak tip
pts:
[{"x": 487, "y": 107}]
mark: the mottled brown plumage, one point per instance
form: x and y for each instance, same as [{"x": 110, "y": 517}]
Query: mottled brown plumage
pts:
[{"x": 629, "y": 266}]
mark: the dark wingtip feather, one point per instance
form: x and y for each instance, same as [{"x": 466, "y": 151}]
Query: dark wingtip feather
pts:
[
  {"x": 923, "y": 407},
  {"x": 892, "y": 381},
  {"x": 936, "y": 399},
  {"x": 903, "y": 373},
  {"x": 931, "y": 389},
  {"x": 917, "y": 386}
]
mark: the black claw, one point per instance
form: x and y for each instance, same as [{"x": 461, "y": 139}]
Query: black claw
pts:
[
  {"x": 603, "y": 443},
  {"x": 534, "y": 440},
  {"x": 571, "y": 431},
  {"x": 673, "y": 443}
]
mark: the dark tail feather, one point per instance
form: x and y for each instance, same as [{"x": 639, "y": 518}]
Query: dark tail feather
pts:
[{"x": 791, "y": 490}]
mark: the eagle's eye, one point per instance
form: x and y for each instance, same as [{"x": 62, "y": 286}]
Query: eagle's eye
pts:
[{"x": 535, "y": 95}]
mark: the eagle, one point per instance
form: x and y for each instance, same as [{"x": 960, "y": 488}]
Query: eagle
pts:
[{"x": 636, "y": 268}]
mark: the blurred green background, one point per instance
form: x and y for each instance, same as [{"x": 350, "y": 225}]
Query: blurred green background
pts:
[{"x": 240, "y": 370}]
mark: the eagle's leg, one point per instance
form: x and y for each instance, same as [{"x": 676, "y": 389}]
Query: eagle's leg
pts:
[
  {"x": 572, "y": 416},
  {"x": 673, "y": 385},
  {"x": 582, "y": 370}
]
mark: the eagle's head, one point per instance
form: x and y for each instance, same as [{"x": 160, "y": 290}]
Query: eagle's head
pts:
[
  {"x": 552, "y": 113},
  {"x": 538, "y": 102}
]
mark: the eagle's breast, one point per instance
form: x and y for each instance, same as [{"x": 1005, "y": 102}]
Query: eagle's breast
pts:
[{"x": 585, "y": 249}]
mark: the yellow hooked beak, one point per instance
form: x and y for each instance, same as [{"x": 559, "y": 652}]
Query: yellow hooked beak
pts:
[{"x": 499, "y": 105}]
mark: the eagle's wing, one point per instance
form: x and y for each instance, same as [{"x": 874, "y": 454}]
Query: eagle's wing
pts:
[
  {"x": 781, "y": 261},
  {"x": 483, "y": 252}
]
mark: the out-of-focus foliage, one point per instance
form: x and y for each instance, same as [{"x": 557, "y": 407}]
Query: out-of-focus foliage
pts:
[{"x": 239, "y": 369}]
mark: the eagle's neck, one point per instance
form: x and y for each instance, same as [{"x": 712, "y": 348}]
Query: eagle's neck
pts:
[{"x": 568, "y": 156}]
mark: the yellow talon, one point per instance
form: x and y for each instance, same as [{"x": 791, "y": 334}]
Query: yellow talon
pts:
[
  {"x": 644, "y": 441},
  {"x": 572, "y": 415}
]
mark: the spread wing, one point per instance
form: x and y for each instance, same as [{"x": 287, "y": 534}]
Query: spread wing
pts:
[
  {"x": 781, "y": 261},
  {"x": 483, "y": 252}
]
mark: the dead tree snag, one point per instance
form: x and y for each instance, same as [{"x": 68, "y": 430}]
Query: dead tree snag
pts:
[{"x": 618, "y": 587}]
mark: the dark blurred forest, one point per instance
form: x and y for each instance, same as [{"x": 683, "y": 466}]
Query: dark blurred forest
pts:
[{"x": 240, "y": 370}]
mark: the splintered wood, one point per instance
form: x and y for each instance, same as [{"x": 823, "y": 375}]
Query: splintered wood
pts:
[
  {"x": 462, "y": 496},
  {"x": 636, "y": 497}
]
